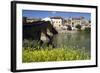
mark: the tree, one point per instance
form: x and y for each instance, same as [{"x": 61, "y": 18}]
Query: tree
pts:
[
  {"x": 69, "y": 27},
  {"x": 78, "y": 27},
  {"x": 87, "y": 29}
]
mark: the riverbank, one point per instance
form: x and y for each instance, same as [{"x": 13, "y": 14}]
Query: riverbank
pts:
[{"x": 67, "y": 31}]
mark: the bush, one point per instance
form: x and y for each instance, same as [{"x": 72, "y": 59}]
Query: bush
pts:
[
  {"x": 87, "y": 29},
  {"x": 69, "y": 27},
  {"x": 78, "y": 27}
]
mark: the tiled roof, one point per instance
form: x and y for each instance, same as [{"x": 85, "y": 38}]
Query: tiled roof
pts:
[
  {"x": 77, "y": 18},
  {"x": 57, "y": 17}
]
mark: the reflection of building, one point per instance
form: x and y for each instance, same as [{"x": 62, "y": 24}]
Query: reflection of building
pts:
[{"x": 57, "y": 22}]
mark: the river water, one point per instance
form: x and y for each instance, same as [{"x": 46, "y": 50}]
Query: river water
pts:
[{"x": 74, "y": 39}]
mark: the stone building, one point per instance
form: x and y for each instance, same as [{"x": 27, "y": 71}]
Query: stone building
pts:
[{"x": 74, "y": 21}]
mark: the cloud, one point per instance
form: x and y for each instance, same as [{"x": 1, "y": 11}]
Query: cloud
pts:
[{"x": 53, "y": 12}]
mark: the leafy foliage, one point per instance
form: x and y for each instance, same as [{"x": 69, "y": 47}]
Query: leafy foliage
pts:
[
  {"x": 69, "y": 27},
  {"x": 78, "y": 27},
  {"x": 88, "y": 29}
]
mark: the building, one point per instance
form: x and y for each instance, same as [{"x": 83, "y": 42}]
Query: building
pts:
[
  {"x": 60, "y": 23},
  {"x": 85, "y": 23},
  {"x": 74, "y": 21},
  {"x": 31, "y": 20},
  {"x": 46, "y": 19},
  {"x": 57, "y": 22}
]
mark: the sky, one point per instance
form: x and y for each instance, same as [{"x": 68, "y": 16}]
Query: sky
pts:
[{"x": 44, "y": 14}]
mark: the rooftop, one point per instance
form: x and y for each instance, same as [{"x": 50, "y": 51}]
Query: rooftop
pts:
[{"x": 57, "y": 17}]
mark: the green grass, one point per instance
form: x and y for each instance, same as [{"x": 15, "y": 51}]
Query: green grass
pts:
[{"x": 56, "y": 54}]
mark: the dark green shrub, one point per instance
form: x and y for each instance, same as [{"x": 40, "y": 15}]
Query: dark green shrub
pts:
[
  {"x": 69, "y": 27},
  {"x": 87, "y": 29},
  {"x": 78, "y": 27}
]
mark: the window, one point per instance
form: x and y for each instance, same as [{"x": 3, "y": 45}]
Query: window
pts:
[{"x": 72, "y": 24}]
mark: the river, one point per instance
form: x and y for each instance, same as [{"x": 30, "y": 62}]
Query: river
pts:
[{"x": 75, "y": 39}]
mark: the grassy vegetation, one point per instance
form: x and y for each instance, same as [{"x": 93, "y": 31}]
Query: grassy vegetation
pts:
[{"x": 55, "y": 54}]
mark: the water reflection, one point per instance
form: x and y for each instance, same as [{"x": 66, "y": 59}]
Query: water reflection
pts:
[{"x": 73, "y": 39}]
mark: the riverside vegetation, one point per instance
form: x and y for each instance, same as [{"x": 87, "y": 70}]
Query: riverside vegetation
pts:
[
  {"x": 36, "y": 53},
  {"x": 58, "y": 54}
]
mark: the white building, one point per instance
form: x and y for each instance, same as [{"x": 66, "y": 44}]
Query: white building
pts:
[
  {"x": 46, "y": 19},
  {"x": 57, "y": 22}
]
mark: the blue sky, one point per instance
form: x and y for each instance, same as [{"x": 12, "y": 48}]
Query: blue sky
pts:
[{"x": 43, "y": 14}]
